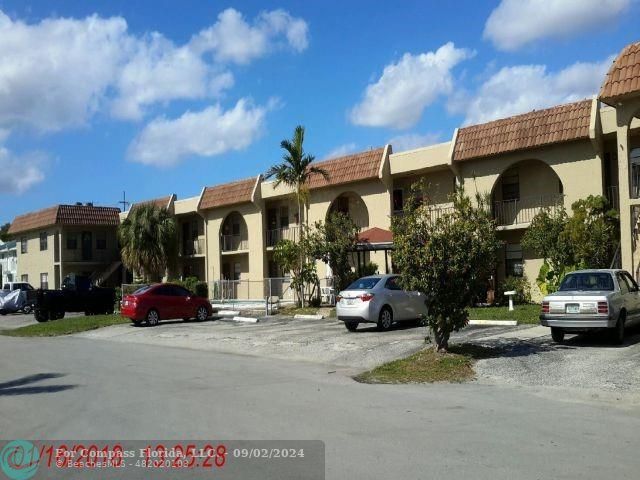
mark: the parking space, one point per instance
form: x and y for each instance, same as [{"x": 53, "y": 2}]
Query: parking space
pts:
[
  {"x": 588, "y": 361},
  {"x": 319, "y": 341}
]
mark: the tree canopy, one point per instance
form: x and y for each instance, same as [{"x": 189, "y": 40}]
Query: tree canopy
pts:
[
  {"x": 448, "y": 255},
  {"x": 148, "y": 239}
]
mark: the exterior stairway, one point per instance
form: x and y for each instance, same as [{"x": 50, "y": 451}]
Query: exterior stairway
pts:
[{"x": 99, "y": 277}]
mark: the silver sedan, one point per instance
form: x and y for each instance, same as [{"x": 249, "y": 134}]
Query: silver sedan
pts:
[{"x": 378, "y": 299}]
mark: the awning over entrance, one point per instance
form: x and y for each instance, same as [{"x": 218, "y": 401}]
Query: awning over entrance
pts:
[{"x": 373, "y": 240}]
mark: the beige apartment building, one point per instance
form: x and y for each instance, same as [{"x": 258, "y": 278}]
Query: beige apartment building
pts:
[
  {"x": 67, "y": 239},
  {"x": 525, "y": 163}
]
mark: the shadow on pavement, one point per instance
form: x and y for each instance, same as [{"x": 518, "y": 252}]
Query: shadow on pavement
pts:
[{"x": 23, "y": 386}]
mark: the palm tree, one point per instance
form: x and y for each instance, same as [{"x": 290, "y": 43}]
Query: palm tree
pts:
[
  {"x": 148, "y": 240},
  {"x": 295, "y": 171}
]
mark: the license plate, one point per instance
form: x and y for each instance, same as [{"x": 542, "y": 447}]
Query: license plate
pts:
[
  {"x": 350, "y": 301},
  {"x": 574, "y": 308}
]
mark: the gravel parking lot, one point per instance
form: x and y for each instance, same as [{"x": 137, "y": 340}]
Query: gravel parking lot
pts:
[{"x": 587, "y": 361}]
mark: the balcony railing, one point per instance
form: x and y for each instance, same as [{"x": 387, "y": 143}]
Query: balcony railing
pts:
[
  {"x": 522, "y": 210},
  {"x": 232, "y": 243},
  {"x": 95, "y": 256},
  {"x": 287, "y": 233},
  {"x": 193, "y": 247},
  {"x": 434, "y": 211}
]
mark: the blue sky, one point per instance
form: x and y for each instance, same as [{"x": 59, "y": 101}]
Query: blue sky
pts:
[{"x": 151, "y": 98}]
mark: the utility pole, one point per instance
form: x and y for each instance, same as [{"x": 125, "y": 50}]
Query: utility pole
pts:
[{"x": 124, "y": 202}]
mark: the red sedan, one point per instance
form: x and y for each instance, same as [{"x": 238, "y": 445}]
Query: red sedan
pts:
[{"x": 164, "y": 301}]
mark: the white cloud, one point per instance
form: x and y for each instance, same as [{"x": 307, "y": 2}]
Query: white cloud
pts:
[
  {"x": 515, "y": 23},
  {"x": 407, "y": 87},
  {"x": 55, "y": 74},
  {"x": 212, "y": 131},
  {"x": 233, "y": 39},
  {"x": 59, "y": 72},
  {"x": 414, "y": 140},
  {"x": 158, "y": 71},
  {"x": 341, "y": 150},
  {"x": 20, "y": 172},
  {"x": 523, "y": 88}
]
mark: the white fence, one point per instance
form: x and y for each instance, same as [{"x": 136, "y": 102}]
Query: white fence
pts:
[{"x": 221, "y": 291}]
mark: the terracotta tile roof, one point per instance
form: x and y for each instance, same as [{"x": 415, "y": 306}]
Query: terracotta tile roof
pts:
[
  {"x": 228, "y": 193},
  {"x": 562, "y": 123},
  {"x": 623, "y": 78},
  {"x": 375, "y": 235},
  {"x": 347, "y": 169},
  {"x": 161, "y": 202},
  {"x": 66, "y": 215}
]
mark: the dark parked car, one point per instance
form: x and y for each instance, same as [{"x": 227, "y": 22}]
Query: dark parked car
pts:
[
  {"x": 164, "y": 301},
  {"x": 76, "y": 295},
  {"x": 25, "y": 301}
]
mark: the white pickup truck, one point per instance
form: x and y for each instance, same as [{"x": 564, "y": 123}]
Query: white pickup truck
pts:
[{"x": 592, "y": 299}]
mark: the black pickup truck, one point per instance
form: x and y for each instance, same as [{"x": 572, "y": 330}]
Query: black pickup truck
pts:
[{"x": 77, "y": 295}]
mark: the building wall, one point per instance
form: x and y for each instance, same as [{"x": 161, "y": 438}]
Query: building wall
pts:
[
  {"x": 252, "y": 259},
  {"x": 58, "y": 261},
  {"x": 576, "y": 164},
  {"x": 36, "y": 262},
  {"x": 375, "y": 197}
]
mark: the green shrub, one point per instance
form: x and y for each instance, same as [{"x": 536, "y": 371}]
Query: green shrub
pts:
[
  {"x": 521, "y": 287},
  {"x": 201, "y": 290},
  {"x": 370, "y": 268}
]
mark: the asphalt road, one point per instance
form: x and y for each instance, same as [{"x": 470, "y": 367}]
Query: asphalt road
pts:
[{"x": 79, "y": 388}]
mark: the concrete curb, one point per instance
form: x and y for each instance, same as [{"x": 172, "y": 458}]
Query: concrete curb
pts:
[
  {"x": 503, "y": 323},
  {"x": 245, "y": 319},
  {"x": 300, "y": 316},
  {"x": 228, "y": 313}
]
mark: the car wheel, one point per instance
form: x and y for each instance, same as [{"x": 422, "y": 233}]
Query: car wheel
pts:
[
  {"x": 136, "y": 323},
  {"x": 27, "y": 309},
  {"x": 617, "y": 334},
  {"x": 557, "y": 334},
  {"x": 41, "y": 316},
  {"x": 351, "y": 326},
  {"x": 152, "y": 318},
  {"x": 202, "y": 313},
  {"x": 385, "y": 319}
]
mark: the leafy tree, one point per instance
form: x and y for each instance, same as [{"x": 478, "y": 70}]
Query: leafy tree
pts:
[
  {"x": 287, "y": 254},
  {"x": 332, "y": 242},
  {"x": 148, "y": 239},
  {"x": 448, "y": 256},
  {"x": 294, "y": 171},
  {"x": 586, "y": 239},
  {"x": 593, "y": 231},
  {"x": 4, "y": 232}
]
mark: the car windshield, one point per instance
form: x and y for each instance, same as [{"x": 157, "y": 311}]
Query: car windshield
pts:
[
  {"x": 141, "y": 290},
  {"x": 587, "y": 281},
  {"x": 365, "y": 283}
]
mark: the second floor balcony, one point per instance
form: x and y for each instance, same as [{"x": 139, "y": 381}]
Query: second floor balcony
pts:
[
  {"x": 521, "y": 211},
  {"x": 233, "y": 243},
  {"x": 286, "y": 233},
  {"x": 192, "y": 247}
]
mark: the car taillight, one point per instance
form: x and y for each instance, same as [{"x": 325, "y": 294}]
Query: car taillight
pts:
[
  {"x": 603, "y": 307},
  {"x": 365, "y": 297},
  {"x": 545, "y": 307}
]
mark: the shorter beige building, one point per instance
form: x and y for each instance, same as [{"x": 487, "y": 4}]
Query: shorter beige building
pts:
[{"x": 58, "y": 241}]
